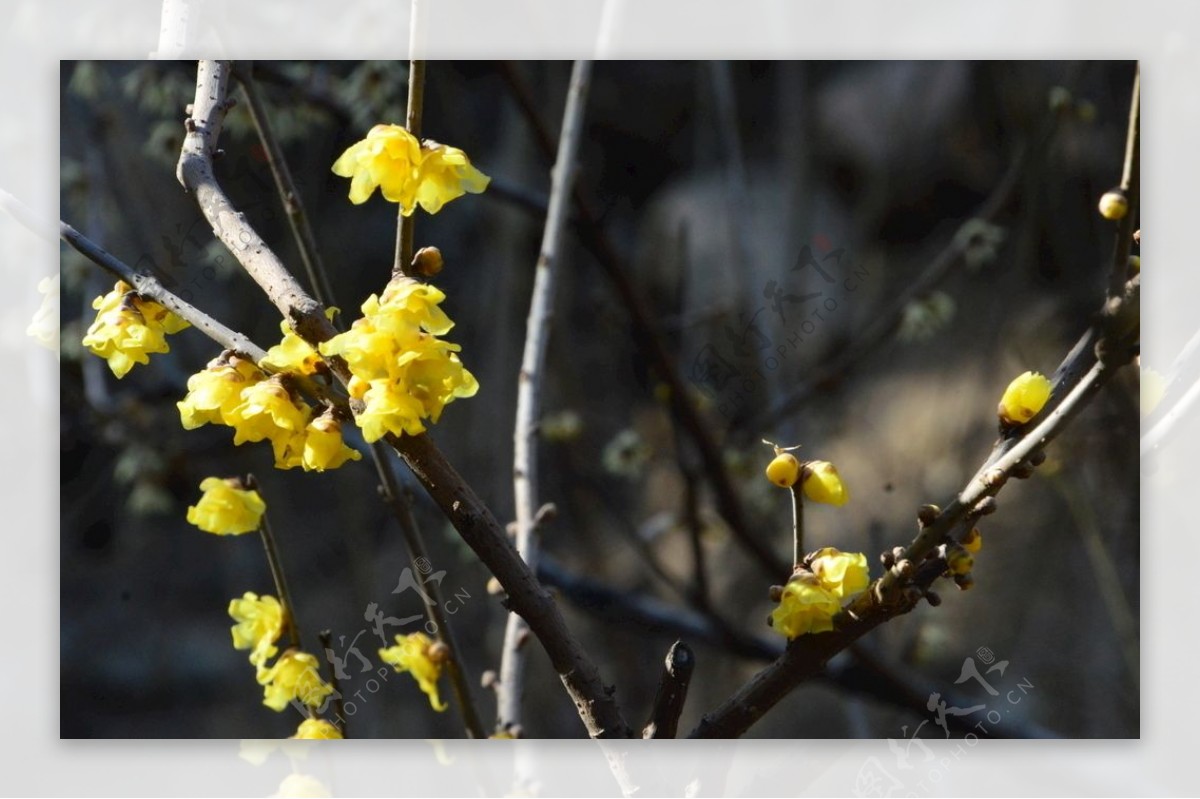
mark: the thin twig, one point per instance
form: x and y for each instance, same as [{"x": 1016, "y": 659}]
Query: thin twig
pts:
[
  {"x": 293, "y": 208},
  {"x": 326, "y": 639},
  {"x": 510, "y": 690},
  {"x": 401, "y": 507},
  {"x": 672, "y": 692},
  {"x": 149, "y": 287},
  {"x": 472, "y": 519},
  {"x": 1130, "y": 179},
  {"x": 405, "y": 225},
  {"x": 649, "y": 340},
  {"x": 271, "y": 548},
  {"x": 797, "y": 523}
]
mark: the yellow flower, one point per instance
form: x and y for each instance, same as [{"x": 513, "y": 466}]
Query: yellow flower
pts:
[
  {"x": 805, "y": 607},
  {"x": 1113, "y": 204},
  {"x": 406, "y": 171},
  {"x": 784, "y": 470},
  {"x": 959, "y": 560},
  {"x": 317, "y": 729},
  {"x": 823, "y": 484},
  {"x": 214, "y": 393},
  {"x": 293, "y": 676},
  {"x": 128, "y": 329},
  {"x": 1024, "y": 397},
  {"x": 268, "y": 411},
  {"x": 259, "y": 625},
  {"x": 390, "y": 159},
  {"x": 422, "y": 657},
  {"x": 324, "y": 447},
  {"x": 842, "y": 574},
  {"x": 292, "y": 354},
  {"x": 401, "y": 370},
  {"x": 225, "y": 509},
  {"x": 446, "y": 174}
]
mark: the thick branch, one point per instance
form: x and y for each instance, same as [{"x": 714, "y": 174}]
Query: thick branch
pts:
[
  {"x": 529, "y": 385},
  {"x": 672, "y": 692}
]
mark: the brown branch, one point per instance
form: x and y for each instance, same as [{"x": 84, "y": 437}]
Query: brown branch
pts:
[
  {"x": 672, "y": 692},
  {"x": 406, "y": 225},
  {"x": 648, "y": 339},
  {"x": 473, "y": 520}
]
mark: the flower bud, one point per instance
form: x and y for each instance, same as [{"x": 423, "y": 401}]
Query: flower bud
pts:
[
  {"x": 427, "y": 261},
  {"x": 959, "y": 561},
  {"x": 784, "y": 470},
  {"x": 973, "y": 541},
  {"x": 823, "y": 484},
  {"x": 1113, "y": 204},
  {"x": 1024, "y": 397}
]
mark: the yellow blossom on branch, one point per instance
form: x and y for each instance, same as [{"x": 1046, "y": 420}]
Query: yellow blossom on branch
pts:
[
  {"x": 214, "y": 394},
  {"x": 225, "y": 509},
  {"x": 401, "y": 370},
  {"x": 294, "y": 676},
  {"x": 406, "y": 171},
  {"x": 323, "y": 445},
  {"x": 822, "y": 483},
  {"x": 128, "y": 329},
  {"x": 842, "y": 574},
  {"x": 317, "y": 729},
  {"x": 804, "y": 607},
  {"x": 259, "y": 625},
  {"x": 1025, "y": 396},
  {"x": 422, "y": 657}
]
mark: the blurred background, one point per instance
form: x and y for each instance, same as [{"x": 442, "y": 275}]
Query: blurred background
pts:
[{"x": 855, "y": 257}]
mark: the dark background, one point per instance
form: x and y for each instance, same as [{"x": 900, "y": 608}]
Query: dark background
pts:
[{"x": 709, "y": 179}]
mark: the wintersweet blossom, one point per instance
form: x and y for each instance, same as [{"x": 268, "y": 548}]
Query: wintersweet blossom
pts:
[
  {"x": 422, "y": 657},
  {"x": 406, "y": 171},
  {"x": 822, "y": 483},
  {"x": 225, "y": 509},
  {"x": 1025, "y": 396},
  {"x": 804, "y": 607},
  {"x": 401, "y": 370},
  {"x": 324, "y": 447},
  {"x": 259, "y": 625},
  {"x": 214, "y": 393},
  {"x": 842, "y": 574},
  {"x": 317, "y": 729},
  {"x": 294, "y": 676},
  {"x": 128, "y": 329}
]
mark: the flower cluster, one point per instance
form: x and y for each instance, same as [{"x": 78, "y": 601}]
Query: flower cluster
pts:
[
  {"x": 422, "y": 657},
  {"x": 294, "y": 676},
  {"x": 233, "y": 391},
  {"x": 129, "y": 328},
  {"x": 810, "y": 600},
  {"x": 226, "y": 508},
  {"x": 402, "y": 371},
  {"x": 407, "y": 171}
]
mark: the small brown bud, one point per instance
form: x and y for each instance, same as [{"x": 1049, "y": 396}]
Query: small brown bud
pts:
[
  {"x": 427, "y": 261},
  {"x": 1023, "y": 470},
  {"x": 964, "y": 581},
  {"x": 985, "y": 506},
  {"x": 933, "y": 598},
  {"x": 775, "y": 593},
  {"x": 1037, "y": 457},
  {"x": 438, "y": 652},
  {"x": 905, "y": 568},
  {"x": 927, "y": 514},
  {"x": 887, "y": 559}
]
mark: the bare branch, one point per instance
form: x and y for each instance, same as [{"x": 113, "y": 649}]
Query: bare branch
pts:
[
  {"x": 672, "y": 692},
  {"x": 149, "y": 286},
  {"x": 529, "y": 385},
  {"x": 1130, "y": 179}
]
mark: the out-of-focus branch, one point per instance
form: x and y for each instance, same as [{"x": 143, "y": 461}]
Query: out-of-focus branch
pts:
[
  {"x": 1130, "y": 180},
  {"x": 649, "y": 340},
  {"x": 149, "y": 286},
  {"x": 672, "y": 692},
  {"x": 529, "y": 386},
  {"x": 466, "y": 512}
]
